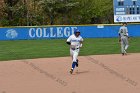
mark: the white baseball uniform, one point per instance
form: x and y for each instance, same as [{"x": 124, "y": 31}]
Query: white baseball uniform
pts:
[
  {"x": 75, "y": 46},
  {"x": 124, "y": 38}
]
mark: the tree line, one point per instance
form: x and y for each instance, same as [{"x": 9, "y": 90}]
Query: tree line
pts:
[{"x": 55, "y": 12}]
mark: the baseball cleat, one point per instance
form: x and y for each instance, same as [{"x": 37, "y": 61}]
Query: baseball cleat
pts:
[
  {"x": 71, "y": 71},
  {"x": 122, "y": 54},
  {"x": 125, "y": 53}
]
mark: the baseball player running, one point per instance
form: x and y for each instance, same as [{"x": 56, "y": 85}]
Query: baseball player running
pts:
[
  {"x": 123, "y": 38},
  {"x": 75, "y": 41}
]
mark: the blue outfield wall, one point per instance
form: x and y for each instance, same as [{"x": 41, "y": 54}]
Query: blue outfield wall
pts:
[{"x": 56, "y": 32}]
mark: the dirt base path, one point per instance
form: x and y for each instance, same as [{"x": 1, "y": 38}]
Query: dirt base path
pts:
[{"x": 96, "y": 74}]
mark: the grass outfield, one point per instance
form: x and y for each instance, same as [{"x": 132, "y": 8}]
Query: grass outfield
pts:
[{"x": 28, "y": 49}]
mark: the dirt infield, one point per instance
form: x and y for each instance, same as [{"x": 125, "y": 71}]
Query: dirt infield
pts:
[{"x": 96, "y": 74}]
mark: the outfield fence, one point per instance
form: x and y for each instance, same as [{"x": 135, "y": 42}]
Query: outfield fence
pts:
[{"x": 58, "y": 32}]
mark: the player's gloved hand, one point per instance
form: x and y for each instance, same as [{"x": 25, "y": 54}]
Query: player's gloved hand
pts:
[
  {"x": 119, "y": 40},
  {"x": 129, "y": 38}
]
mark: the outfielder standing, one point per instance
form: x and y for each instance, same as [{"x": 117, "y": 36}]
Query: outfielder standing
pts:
[
  {"x": 75, "y": 41},
  {"x": 123, "y": 38}
]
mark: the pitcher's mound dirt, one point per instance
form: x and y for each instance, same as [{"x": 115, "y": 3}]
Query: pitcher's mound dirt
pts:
[{"x": 96, "y": 74}]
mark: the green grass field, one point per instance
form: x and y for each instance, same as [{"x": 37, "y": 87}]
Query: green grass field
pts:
[{"x": 28, "y": 49}]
